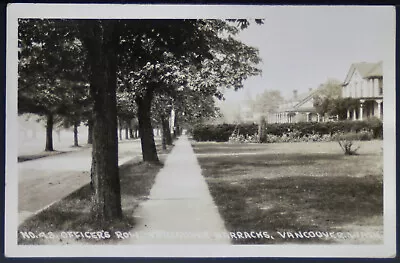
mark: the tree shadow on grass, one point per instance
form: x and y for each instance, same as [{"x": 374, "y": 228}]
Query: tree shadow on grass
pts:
[
  {"x": 73, "y": 213},
  {"x": 227, "y": 147},
  {"x": 294, "y": 204},
  {"x": 245, "y": 164}
]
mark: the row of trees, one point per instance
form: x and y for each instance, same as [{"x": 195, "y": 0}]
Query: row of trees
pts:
[{"x": 102, "y": 71}]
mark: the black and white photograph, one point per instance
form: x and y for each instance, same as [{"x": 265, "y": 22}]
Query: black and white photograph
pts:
[{"x": 200, "y": 131}]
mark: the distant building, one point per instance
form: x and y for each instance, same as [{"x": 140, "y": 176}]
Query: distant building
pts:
[
  {"x": 300, "y": 108},
  {"x": 364, "y": 81}
]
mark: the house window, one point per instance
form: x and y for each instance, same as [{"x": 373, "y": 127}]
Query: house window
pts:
[
  {"x": 361, "y": 89},
  {"x": 380, "y": 87}
]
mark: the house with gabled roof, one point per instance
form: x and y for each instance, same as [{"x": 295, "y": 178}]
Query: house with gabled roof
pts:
[
  {"x": 364, "y": 81},
  {"x": 300, "y": 108}
]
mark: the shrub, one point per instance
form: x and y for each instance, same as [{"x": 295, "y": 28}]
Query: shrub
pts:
[
  {"x": 345, "y": 141},
  {"x": 240, "y": 138},
  {"x": 271, "y": 138},
  {"x": 365, "y": 135},
  {"x": 376, "y": 126},
  {"x": 326, "y": 138}
]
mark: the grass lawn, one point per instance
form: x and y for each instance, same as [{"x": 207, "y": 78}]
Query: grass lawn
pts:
[
  {"x": 288, "y": 188},
  {"x": 72, "y": 213}
]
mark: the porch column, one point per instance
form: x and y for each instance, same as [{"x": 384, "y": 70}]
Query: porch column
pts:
[
  {"x": 378, "y": 114},
  {"x": 376, "y": 87},
  {"x": 317, "y": 117},
  {"x": 354, "y": 114},
  {"x": 348, "y": 115},
  {"x": 361, "y": 109}
]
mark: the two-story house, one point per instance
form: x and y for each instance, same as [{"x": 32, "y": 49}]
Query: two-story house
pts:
[{"x": 364, "y": 81}]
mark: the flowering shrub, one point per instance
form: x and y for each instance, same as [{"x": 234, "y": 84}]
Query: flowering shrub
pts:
[
  {"x": 240, "y": 138},
  {"x": 271, "y": 138}
]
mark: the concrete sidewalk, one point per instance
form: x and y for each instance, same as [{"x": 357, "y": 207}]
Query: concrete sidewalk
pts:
[{"x": 180, "y": 209}]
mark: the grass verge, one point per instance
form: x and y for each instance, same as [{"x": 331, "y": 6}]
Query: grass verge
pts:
[
  {"x": 315, "y": 190},
  {"x": 30, "y": 157},
  {"x": 68, "y": 219}
]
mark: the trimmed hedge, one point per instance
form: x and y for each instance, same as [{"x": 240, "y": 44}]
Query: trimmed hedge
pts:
[{"x": 222, "y": 132}]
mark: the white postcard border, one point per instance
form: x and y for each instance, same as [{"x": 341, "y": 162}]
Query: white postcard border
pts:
[{"x": 108, "y": 11}]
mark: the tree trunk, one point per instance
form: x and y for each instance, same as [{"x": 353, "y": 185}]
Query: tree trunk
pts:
[
  {"x": 120, "y": 129},
  {"x": 131, "y": 133},
  {"x": 163, "y": 135},
  {"x": 101, "y": 41},
  {"x": 261, "y": 130},
  {"x": 90, "y": 132},
  {"x": 76, "y": 133},
  {"x": 177, "y": 130},
  {"x": 49, "y": 133},
  {"x": 149, "y": 150},
  {"x": 167, "y": 132},
  {"x": 127, "y": 130}
]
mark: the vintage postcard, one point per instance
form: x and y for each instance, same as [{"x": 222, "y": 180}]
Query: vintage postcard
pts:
[{"x": 200, "y": 131}]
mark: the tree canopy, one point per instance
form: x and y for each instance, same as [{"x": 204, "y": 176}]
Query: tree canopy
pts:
[{"x": 113, "y": 63}]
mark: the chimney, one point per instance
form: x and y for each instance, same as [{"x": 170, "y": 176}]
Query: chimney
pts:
[{"x": 295, "y": 94}]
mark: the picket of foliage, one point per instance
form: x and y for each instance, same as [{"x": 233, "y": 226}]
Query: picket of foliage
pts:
[{"x": 289, "y": 132}]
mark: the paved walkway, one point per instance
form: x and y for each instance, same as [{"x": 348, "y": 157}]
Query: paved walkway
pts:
[
  {"x": 44, "y": 181},
  {"x": 180, "y": 209}
]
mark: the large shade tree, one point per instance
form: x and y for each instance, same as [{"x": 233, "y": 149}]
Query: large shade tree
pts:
[
  {"x": 50, "y": 70},
  {"x": 216, "y": 60},
  {"x": 142, "y": 51}
]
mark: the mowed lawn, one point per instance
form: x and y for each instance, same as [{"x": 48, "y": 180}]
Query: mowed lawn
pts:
[{"x": 311, "y": 189}]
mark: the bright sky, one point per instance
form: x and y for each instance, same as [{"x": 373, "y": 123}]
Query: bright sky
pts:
[{"x": 301, "y": 47}]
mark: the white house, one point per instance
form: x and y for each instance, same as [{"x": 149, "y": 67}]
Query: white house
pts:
[
  {"x": 364, "y": 81},
  {"x": 298, "y": 109}
]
